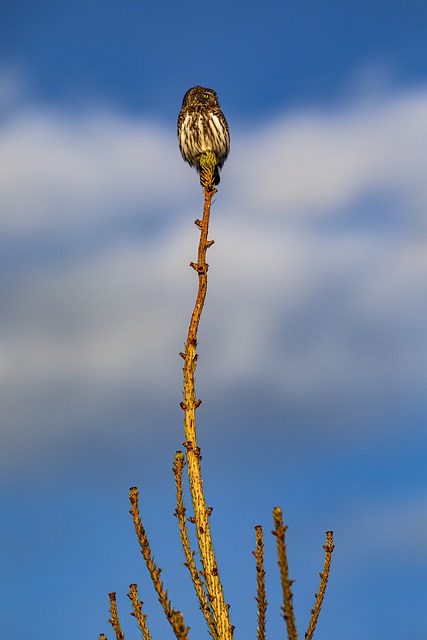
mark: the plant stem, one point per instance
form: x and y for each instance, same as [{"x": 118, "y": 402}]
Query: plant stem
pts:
[
  {"x": 189, "y": 405},
  {"x": 288, "y": 607},
  {"x": 328, "y": 549}
]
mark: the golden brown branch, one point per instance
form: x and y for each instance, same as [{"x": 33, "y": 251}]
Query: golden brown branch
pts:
[
  {"x": 180, "y": 512},
  {"x": 137, "y": 612},
  {"x": 329, "y": 548},
  {"x": 260, "y": 575},
  {"x": 288, "y": 608},
  {"x": 189, "y": 405},
  {"x": 114, "y": 620},
  {"x": 175, "y": 617}
]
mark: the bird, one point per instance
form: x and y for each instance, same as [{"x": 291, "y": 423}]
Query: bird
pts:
[{"x": 202, "y": 128}]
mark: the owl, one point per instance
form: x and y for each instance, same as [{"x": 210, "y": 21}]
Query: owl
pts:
[{"x": 202, "y": 127}]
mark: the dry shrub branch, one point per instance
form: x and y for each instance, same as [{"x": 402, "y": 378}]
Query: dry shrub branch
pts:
[{"x": 206, "y": 579}]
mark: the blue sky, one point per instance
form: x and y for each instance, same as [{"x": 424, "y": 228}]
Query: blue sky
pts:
[{"x": 313, "y": 353}]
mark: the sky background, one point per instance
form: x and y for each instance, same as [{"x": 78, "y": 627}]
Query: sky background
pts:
[{"x": 313, "y": 344}]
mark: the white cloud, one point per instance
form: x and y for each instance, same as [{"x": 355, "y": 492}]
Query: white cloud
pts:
[
  {"x": 62, "y": 171},
  {"x": 322, "y": 311},
  {"x": 316, "y": 162}
]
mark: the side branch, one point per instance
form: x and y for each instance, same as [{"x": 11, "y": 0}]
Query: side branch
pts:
[
  {"x": 114, "y": 620},
  {"x": 190, "y": 563},
  {"x": 288, "y": 608},
  {"x": 328, "y": 548},
  {"x": 260, "y": 576},
  {"x": 175, "y": 617},
  {"x": 137, "y": 612}
]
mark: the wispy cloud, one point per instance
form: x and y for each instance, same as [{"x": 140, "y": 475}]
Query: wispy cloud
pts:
[
  {"x": 322, "y": 162},
  {"x": 67, "y": 172}
]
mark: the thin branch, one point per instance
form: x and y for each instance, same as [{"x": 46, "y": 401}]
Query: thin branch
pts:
[
  {"x": 288, "y": 608},
  {"x": 189, "y": 405},
  {"x": 114, "y": 620},
  {"x": 137, "y": 612},
  {"x": 180, "y": 512},
  {"x": 328, "y": 548},
  {"x": 260, "y": 576},
  {"x": 175, "y": 617}
]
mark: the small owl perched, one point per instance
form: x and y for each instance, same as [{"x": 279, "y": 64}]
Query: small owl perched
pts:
[{"x": 202, "y": 127}]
